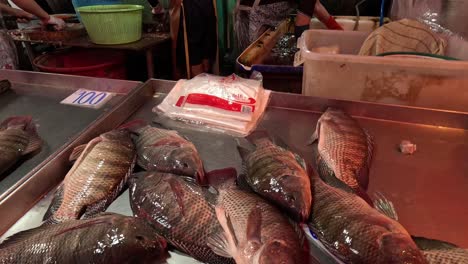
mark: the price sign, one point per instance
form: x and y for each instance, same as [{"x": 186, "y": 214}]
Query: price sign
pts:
[{"x": 88, "y": 98}]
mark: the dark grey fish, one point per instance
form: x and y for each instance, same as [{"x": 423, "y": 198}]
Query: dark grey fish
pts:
[
  {"x": 166, "y": 151},
  {"x": 177, "y": 208},
  {"x": 345, "y": 151},
  {"x": 107, "y": 238},
  {"x": 277, "y": 175},
  {"x": 355, "y": 232},
  {"x": 18, "y": 137},
  {"x": 255, "y": 232}
]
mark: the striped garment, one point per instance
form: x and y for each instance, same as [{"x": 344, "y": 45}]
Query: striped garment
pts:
[{"x": 403, "y": 36}]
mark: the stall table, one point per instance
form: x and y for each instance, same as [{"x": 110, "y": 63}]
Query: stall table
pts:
[
  {"x": 145, "y": 44},
  {"x": 427, "y": 188}
]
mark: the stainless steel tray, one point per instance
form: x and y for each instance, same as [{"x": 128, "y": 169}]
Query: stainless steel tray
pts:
[
  {"x": 428, "y": 188},
  {"x": 60, "y": 126}
]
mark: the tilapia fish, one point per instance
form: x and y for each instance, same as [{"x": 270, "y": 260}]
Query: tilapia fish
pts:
[
  {"x": 18, "y": 137},
  {"x": 440, "y": 252},
  {"x": 278, "y": 175},
  {"x": 254, "y": 231},
  {"x": 345, "y": 150},
  {"x": 355, "y": 232},
  {"x": 177, "y": 207},
  {"x": 166, "y": 151},
  {"x": 96, "y": 178},
  {"x": 108, "y": 238}
]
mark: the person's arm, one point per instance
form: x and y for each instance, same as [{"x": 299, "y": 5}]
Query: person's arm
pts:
[
  {"x": 32, "y": 7},
  {"x": 307, "y": 8},
  {"x": 322, "y": 14},
  {"x": 18, "y": 13}
]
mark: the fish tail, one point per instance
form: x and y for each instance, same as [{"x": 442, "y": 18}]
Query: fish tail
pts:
[
  {"x": 17, "y": 121},
  {"x": 134, "y": 125},
  {"x": 258, "y": 136},
  {"x": 52, "y": 220},
  {"x": 221, "y": 177}
]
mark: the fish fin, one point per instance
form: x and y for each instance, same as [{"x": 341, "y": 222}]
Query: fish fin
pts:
[
  {"x": 300, "y": 160},
  {"x": 55, "y": 204},
  {"x": 298, "y": 229},
  {"x": 243, "y": 152},
  {"x": 211, "y": 195},
  {"x": 35, "y": 142},
  {"x": 363, "y": 175},
  {"x": 432, "y": 244},
  {"x": 92, "y": 210},
  {"x": 76, "y": 153},
  {"x": 16, "y": 121},
  {"x": 22, "y": 235},
  {"x": 242, "y": 183},
  {"x": 257, "y": 136},
  {"x": 254, "y": 225},
  {"x": 219, "y": 244},
  {"x": 218, "y": 177},
  {"x": 179, "y": 194},
  {"x": 315, "y": 135},
  {"x": 385, "y": 206},
  {"x": 223, "y": 243},
  {"x": 134, "y": 126}
]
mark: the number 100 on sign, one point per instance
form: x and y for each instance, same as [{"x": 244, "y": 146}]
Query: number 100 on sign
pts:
[{"x": 88, "y": 98}]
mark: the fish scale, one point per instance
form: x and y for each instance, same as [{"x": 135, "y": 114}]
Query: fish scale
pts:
[
  {"x": 106, "y": 239},
  {"x": 356, "y": 232},
  {"x": 96, "y": 178},
  {"x": 447, "y": 256},
  {"x": 165, "y": 150},
  {"x": 179, "y": 211},
  {"x": 345, "y": 149},
  {"x": 275, "y": 173},
  {"x": 275, "y": 228},
  {"x": 18, "y": 137}
]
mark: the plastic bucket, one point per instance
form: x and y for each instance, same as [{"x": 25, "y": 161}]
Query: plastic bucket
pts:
[
  {"x": 112, "y": 24},
  {"x": 87, "y": 62},
  {"x": 80, "y": 3}
]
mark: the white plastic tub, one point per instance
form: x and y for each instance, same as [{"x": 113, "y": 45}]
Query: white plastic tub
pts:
[
  {"x": 431, "y": 83},
  {"x": 348, "y": 23}
]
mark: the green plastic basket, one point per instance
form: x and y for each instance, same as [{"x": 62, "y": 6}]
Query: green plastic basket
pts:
[{"x": 112, "y": 24}]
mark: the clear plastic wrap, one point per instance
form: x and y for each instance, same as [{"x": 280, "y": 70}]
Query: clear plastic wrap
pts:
[
  {"x": 228, "y": 104},
  {"x": 108, "y": 238},
  {"x": 443, "y": 16},
  {"x": 179, "y": 210}
]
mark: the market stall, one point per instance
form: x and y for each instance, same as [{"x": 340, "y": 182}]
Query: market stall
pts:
[
  {"x": 427, "y": 188},
  {"x": 60, "y": 126}
]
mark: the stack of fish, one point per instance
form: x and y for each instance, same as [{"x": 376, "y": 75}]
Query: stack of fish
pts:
[{"x": 221, "y": 217}]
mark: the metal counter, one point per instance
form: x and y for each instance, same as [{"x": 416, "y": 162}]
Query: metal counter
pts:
[
  {"x": 60, "y": 126},
  {"x": 427, "y": 188}
]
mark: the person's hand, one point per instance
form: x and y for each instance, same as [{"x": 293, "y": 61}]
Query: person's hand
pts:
[{"x": 56, "y": 22}]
